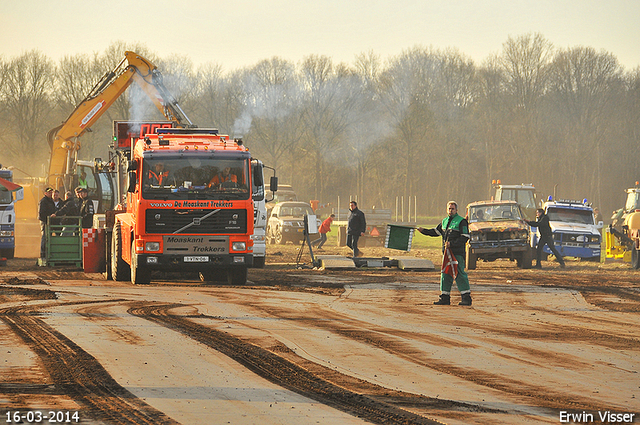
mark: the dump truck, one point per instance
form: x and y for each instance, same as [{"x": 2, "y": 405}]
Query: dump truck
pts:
[{"x": 197, "y": 217}]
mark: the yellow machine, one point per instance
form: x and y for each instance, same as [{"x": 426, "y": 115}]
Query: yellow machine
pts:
[
  {"x": 64, "y": 140},
  {"x": 622, "y": 237}
]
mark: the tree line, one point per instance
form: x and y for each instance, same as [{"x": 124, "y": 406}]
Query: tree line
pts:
[{"x": 427, "y": 124}]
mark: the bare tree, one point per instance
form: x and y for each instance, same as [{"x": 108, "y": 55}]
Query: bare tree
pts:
[
  {"x": 407, "y": 85},
  {"x": 331, "y": 97},
  {"x": 525, "y": 62},
  {"x": 26, "y": 94},
  {"x": 271, "y": 110},
  {"x": 584, "y": 86}
]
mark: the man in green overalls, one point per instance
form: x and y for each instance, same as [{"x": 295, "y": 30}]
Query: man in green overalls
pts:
[{"x": 454, "y": 231}]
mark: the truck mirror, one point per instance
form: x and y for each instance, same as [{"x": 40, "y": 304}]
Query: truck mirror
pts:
[
  {"x": 20, "y": 194},
  {"x": 132, "y": 181},
  {"x": 273, "y": 184},
  {"x": 132, "y": 166}
]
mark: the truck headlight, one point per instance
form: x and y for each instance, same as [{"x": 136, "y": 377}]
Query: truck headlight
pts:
[
  {"x": 152, "y": 246},
  {"x": 239, "y": 246},
  {"x": 258, "y": 238},
  {"x": 475, "y": 238},
  {"x": 6, "y": 233}
]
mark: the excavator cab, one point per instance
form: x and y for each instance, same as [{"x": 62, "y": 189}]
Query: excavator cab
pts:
[{"x": 99, "y": 184}]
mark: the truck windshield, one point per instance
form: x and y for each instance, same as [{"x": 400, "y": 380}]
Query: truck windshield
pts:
[
  {"x": 5, "y": 196},
  {"x": 494, "y": 213},
  {"x": 568, "y": 215},
  {"x": 524, "y": 197},
  {"x": 195, "y": 178},
  {"x": 633, "y": 201}
]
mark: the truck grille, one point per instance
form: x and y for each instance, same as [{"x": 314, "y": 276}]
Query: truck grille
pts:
[{"x": 169, "y": 221}]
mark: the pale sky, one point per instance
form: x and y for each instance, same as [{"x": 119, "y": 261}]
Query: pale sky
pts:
[{"x": 239, "y": 33}]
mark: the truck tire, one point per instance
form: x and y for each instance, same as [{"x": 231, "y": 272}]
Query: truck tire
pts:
[
  {"x": 472, "y": 259},
  {"x": 107, "y": 252},
  {"x": 120, "y": 270},
  {"x": 139, "y": 274},
  {"x": 8, "y": 253},
  {"x": 258, "y": 262},
  {"x": 237, "y": 276},
  {"x": 635, "y": 258},
  {"x": 524, "y": 260}
]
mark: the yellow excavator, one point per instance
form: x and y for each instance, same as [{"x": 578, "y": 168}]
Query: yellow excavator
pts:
[{"x": 65, "y": 169}]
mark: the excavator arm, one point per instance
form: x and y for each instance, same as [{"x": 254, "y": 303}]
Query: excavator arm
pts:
[{"x": 64, "y": 140}]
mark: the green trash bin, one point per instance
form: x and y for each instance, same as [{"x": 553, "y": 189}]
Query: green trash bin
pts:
[
  {"x": 399, "y": 237},
  {"x": 64, "y": 242}
]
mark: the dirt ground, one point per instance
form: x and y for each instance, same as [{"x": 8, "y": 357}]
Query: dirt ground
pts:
[{"x": 298, "y": 345}]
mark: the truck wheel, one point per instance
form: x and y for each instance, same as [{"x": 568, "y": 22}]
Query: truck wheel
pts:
[
  {"x": 8, "y": 253},
  {"x": 471, "y": 260},
  {"x": 635, "y": 258},
  {"x": 237, "y": 276},
  {"x": 139, "y": 274},
  {"x": 120, "y": 270},
  {"x": 524, "y": 259},
  {"x": 258, "y": 262},
  {"x": 107, "y": 252}
]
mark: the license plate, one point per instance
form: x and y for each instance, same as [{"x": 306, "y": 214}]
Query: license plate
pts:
[{"x": 196, "y": 259}]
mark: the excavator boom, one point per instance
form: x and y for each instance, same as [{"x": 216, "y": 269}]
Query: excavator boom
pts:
[{"x": 64, "y": 140}]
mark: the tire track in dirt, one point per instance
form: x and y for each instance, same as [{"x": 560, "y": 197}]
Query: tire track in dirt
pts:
[
  {"x": 77, "y": 374},
  {"x": 388, "y": 340},
  {"x": 280, "y": 370}
]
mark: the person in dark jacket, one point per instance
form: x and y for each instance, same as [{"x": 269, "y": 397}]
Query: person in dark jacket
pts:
[
  {"x": 71, "y": 208},
  {"x": 86, "y": 208},
  {"x": 454, "y": 231},
  {"x": 356, "y": 227},
  {"x": 46, "y": 207},
  {"x": 546, "y": 237}
]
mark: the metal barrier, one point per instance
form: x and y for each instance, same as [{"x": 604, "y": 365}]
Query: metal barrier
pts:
[{"x": 64, "y": 242}]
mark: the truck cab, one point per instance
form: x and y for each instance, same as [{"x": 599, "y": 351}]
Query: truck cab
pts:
[
  {"x": 575, "y": 233},
  {"x": 7, "y": 215},
  {"x": 523, "y": 194}
]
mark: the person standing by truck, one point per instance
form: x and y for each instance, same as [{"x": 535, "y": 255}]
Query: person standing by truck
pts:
[
  {"x": 546, "y": 237},
  {"x": 46, "y": 207},
  {"x": 356, "y": 227},
  {"x": 454, "y": 231},
  {"x": 325, "y": 227}
]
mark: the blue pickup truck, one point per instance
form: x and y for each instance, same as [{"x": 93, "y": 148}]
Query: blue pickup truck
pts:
[{"x": 575, "y": 232}]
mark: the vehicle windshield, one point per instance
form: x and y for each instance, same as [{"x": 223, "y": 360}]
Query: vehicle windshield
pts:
[
  {"x": 524, "y": 197},
  {"x": 568, "y": 215},
  {"x": 195, "y": 178},
  {"x": 633, "y": 201},
  {"x": 5, "y": 196},
  {"x": 494, "y": 213},
  {"x": 295, "y": 211}
]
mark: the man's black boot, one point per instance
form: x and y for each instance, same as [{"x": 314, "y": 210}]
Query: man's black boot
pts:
[
  {"x": 466, "y": 299},
  {"x": 445, "y": 299}
]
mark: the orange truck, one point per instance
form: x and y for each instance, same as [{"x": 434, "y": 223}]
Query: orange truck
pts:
[{"x": 189, "y": 207}]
